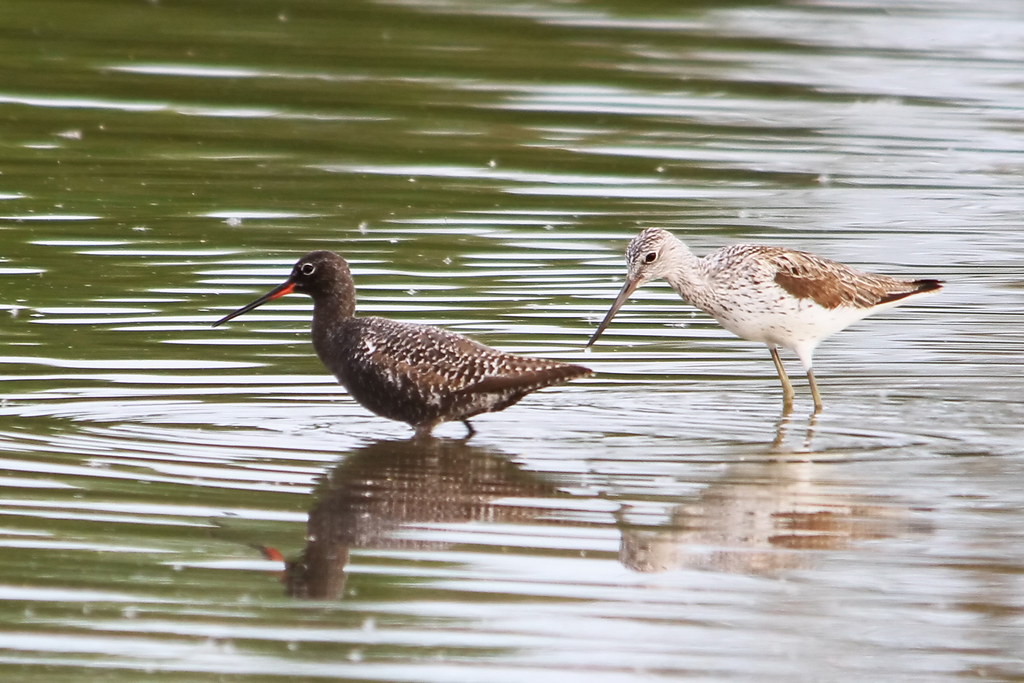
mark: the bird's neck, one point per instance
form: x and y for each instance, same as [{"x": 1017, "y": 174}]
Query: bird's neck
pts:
[
  {"x": 336, "y": 304},
  {"x": 329, "y": 310},
  {"x": 332, "y": 312},
  {"x": 686, "y": 275}
]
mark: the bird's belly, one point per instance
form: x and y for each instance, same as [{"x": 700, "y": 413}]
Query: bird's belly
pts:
[{"x": 787, "y": 322}]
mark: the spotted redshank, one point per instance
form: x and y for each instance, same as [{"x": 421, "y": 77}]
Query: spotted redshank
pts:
[
  {"x": 777, "y": 296},
  {"x": 418, "y": 374}
]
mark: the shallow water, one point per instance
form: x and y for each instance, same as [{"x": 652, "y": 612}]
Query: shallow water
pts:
[{"x": 193, "y": 503}]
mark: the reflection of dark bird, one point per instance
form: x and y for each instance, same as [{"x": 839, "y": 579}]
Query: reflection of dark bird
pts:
[
  {"x": 773, "y": 295},
  {"x": 390, "y": 486},
  {"x": 418, "y": 374}
]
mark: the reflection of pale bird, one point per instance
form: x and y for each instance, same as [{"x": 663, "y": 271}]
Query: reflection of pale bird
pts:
[
  {"x": 760, "y": 519},
  {"x": 777, "y": 296},
  {"x": 418, "y": 374}
]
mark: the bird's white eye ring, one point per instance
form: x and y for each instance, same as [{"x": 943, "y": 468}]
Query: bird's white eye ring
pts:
[
  {"x": 650, "y": 257},
  {"x": 307, "y": 269}
]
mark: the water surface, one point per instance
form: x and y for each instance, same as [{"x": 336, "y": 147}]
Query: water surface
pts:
[{"x": 191, "y": 503}]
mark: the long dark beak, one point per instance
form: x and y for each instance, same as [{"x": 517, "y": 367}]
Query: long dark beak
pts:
[
  {"x": 624, "y": 294},
  {"x": 276, "y": 293}
]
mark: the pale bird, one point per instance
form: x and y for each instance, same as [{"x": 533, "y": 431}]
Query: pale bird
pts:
[{"x": 773, "y": 295}]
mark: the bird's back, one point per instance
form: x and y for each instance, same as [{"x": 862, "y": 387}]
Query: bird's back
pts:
[
  {"x": 804, "y": 275},
  {"x": 790, "y": 297},
  {"x": 422, "y": 374}
]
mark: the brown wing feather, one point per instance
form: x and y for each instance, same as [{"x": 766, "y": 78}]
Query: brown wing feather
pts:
[{"x": 832, "y": 284}]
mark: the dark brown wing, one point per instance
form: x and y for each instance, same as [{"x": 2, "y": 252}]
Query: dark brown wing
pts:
[
  {"x": 546, "y": 374},
  {"x": 437, "y": 361}
]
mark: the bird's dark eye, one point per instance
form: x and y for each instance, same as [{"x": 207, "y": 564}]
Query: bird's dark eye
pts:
[
  {"x": 307, "y": 269},
  {"x": 650, "y": 257}
]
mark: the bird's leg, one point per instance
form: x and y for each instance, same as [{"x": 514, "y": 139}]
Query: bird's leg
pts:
[
  {"x": 470, "y": 430},
  {"x": 818, "y": 405},
  {"x": 787, "y": 388}
]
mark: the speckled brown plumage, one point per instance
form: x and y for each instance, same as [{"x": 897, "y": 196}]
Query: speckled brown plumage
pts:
[
  {"x": 777, "y": 296},
  {"x": 418, "y": 374},
  {"x": 828, "y": 283}
]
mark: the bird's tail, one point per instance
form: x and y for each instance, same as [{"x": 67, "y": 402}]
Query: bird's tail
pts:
[
  {"x": 915, "y": 287},
  {"x": 530, "y": 379}
]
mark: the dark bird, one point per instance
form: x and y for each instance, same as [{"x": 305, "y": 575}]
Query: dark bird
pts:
[
  {"x": 418, "y": 374},
  {"x": 773, "y": 295}
]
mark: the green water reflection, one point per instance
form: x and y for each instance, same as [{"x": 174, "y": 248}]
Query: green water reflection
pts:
[{"x": 482, "y": 166}]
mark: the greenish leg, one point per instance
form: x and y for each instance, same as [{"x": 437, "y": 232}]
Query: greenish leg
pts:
[
  {"x": 818, "y": 405},
  {"x": 787, "y": 388}
]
